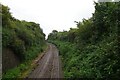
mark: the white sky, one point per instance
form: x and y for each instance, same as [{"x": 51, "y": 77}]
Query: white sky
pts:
[{"x": 51, "y": 14}]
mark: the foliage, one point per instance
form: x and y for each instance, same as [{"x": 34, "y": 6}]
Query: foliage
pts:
[
  {"x": 20, "y": 36},
  {"x": 91, "y": 50},
  {"x": 25, "y": 39},
  {"x": 18, "y": 71}
]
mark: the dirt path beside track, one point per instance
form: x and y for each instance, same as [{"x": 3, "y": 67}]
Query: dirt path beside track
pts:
[{"x": 49, "y": 66}]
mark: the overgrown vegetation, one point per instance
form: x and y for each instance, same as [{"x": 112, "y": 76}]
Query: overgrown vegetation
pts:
[
  {"x": 91, "y": 50},
  {"x": 25, "y": 39}
]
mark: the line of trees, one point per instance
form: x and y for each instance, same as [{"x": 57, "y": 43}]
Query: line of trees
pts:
[
  {"x": 24, "y": 39},
  {"x": 92, "y": 49}
]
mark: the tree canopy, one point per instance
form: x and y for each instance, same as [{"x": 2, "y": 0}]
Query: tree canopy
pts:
[{"x": 91, "y": 50}]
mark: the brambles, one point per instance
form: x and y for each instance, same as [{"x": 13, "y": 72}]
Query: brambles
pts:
[
  {"x": 91, "y": 50},
  {"x": 24, "y": 39}
]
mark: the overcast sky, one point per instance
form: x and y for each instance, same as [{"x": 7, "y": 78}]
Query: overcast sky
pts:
[{"x": 51, "y": 14}]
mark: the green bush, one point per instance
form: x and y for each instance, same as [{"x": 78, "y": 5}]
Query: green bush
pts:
[
  {"x": 7, "y": 37},
  {"x": 19, "y": 48},
  {"x": 93, "y": 51},
  {"x": 25, "y": 39}
]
